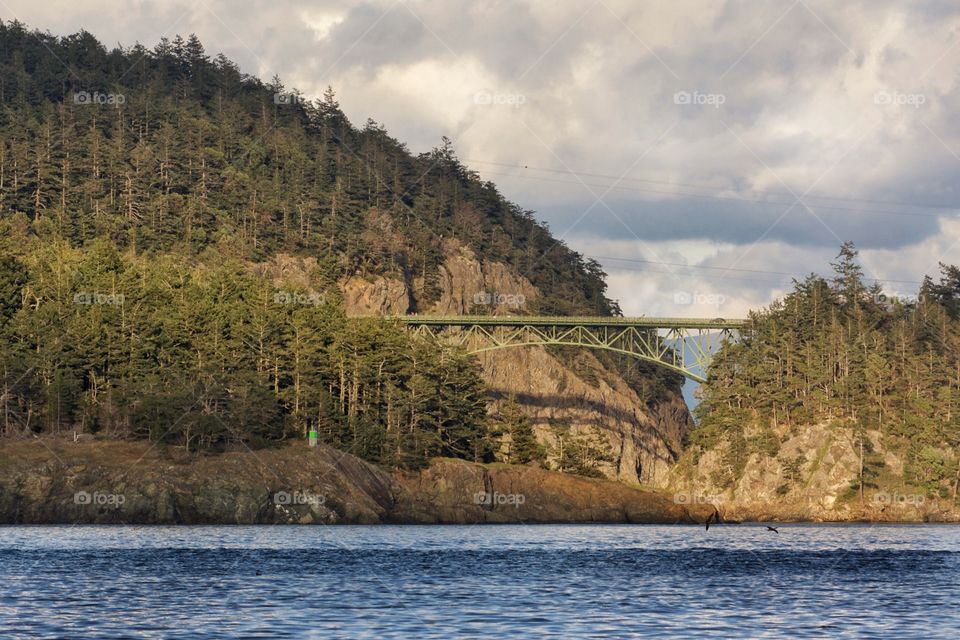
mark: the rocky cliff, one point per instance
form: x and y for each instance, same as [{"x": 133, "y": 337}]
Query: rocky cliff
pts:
[
  {"x": 813, "y": 476},
  {"x": 644, "y": 437},
  {"x": 55, "y": 481}
]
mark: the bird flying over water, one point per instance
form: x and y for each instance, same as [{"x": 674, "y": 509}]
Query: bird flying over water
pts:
[
  {"x": 774, "y": 529},
  {"x": 715, "y": 516}
]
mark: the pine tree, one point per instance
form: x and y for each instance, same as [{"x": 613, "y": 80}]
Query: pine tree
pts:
[
  {"x": 848, "y": 281},
  {"x": 522, "y": 447}
]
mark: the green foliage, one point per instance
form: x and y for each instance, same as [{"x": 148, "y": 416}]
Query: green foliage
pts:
[
  {"x": 927, "y": 467},
  {"x": 204, "y": 354},
  {"x": 793, "y": 469},
  {"x": 580, "y": 454},
  {"x": 734, "y": 458},
  {"x": 767, "y": 443},
  {"x": 522, "y": 447},
  {"x": 12, "y": 278}
]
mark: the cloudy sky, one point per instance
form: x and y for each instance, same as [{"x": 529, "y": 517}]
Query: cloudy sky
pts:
[{"x": 703, "y": 151}]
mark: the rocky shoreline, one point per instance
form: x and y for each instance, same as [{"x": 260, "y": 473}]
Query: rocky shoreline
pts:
[
  {"x": 872, "y": 512},
  {"x": 57, "y": 481}
]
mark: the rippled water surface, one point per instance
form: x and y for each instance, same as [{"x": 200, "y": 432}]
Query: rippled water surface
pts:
[{"x": 492, "y": 581}]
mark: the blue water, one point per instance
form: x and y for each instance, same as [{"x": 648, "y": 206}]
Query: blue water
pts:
[{"x": 492, "y": 581}]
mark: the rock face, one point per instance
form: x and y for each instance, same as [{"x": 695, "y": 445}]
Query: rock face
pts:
[
  {"x": 120, "y": 482},
  {"x": 61, "y": 482},
  {"x": 455, "y": 491},
  {"x": 823, "y": 486},
  {"x": 644, "y": 440},
  {"x": 466, "y": 282},
  {"x": 385, "y": 296}
]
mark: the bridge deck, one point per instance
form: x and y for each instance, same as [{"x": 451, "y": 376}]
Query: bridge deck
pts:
[{"x": 573, "y": 321}]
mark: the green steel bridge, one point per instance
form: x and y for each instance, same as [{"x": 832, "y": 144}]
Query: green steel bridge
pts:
[{"x": 680, "y": 344}]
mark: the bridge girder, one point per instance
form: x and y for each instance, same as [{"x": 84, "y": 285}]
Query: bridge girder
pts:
[{"x": 681, "y": 349}]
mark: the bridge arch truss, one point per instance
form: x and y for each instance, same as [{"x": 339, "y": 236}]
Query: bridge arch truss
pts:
[{"x": 682, "y": 345}]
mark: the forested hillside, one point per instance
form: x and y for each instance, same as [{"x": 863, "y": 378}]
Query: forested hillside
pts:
[
  {"x": 842, "y": 360},
  {"x": 146, "y": 198},
  {"x": 166, "y": 148}
]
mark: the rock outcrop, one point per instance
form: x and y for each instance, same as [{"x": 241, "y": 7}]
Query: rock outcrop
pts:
[
  {"x": 814, "y": 476},
  {"x": 643, "y": 443},
  {"x": 55, "y": 481},
  {"x": 455, "y": 491},
  {"x": 467, "y": 283},
  {"x": 381, "y": 295}
]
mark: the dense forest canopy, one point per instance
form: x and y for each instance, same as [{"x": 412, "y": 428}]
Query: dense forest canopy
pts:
[
  {"x": 840, "y": 351},
  {"x": 145, "y": 196}
]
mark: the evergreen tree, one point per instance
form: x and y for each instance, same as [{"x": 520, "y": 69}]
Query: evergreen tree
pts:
[{"x": 522, "y": 447}]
